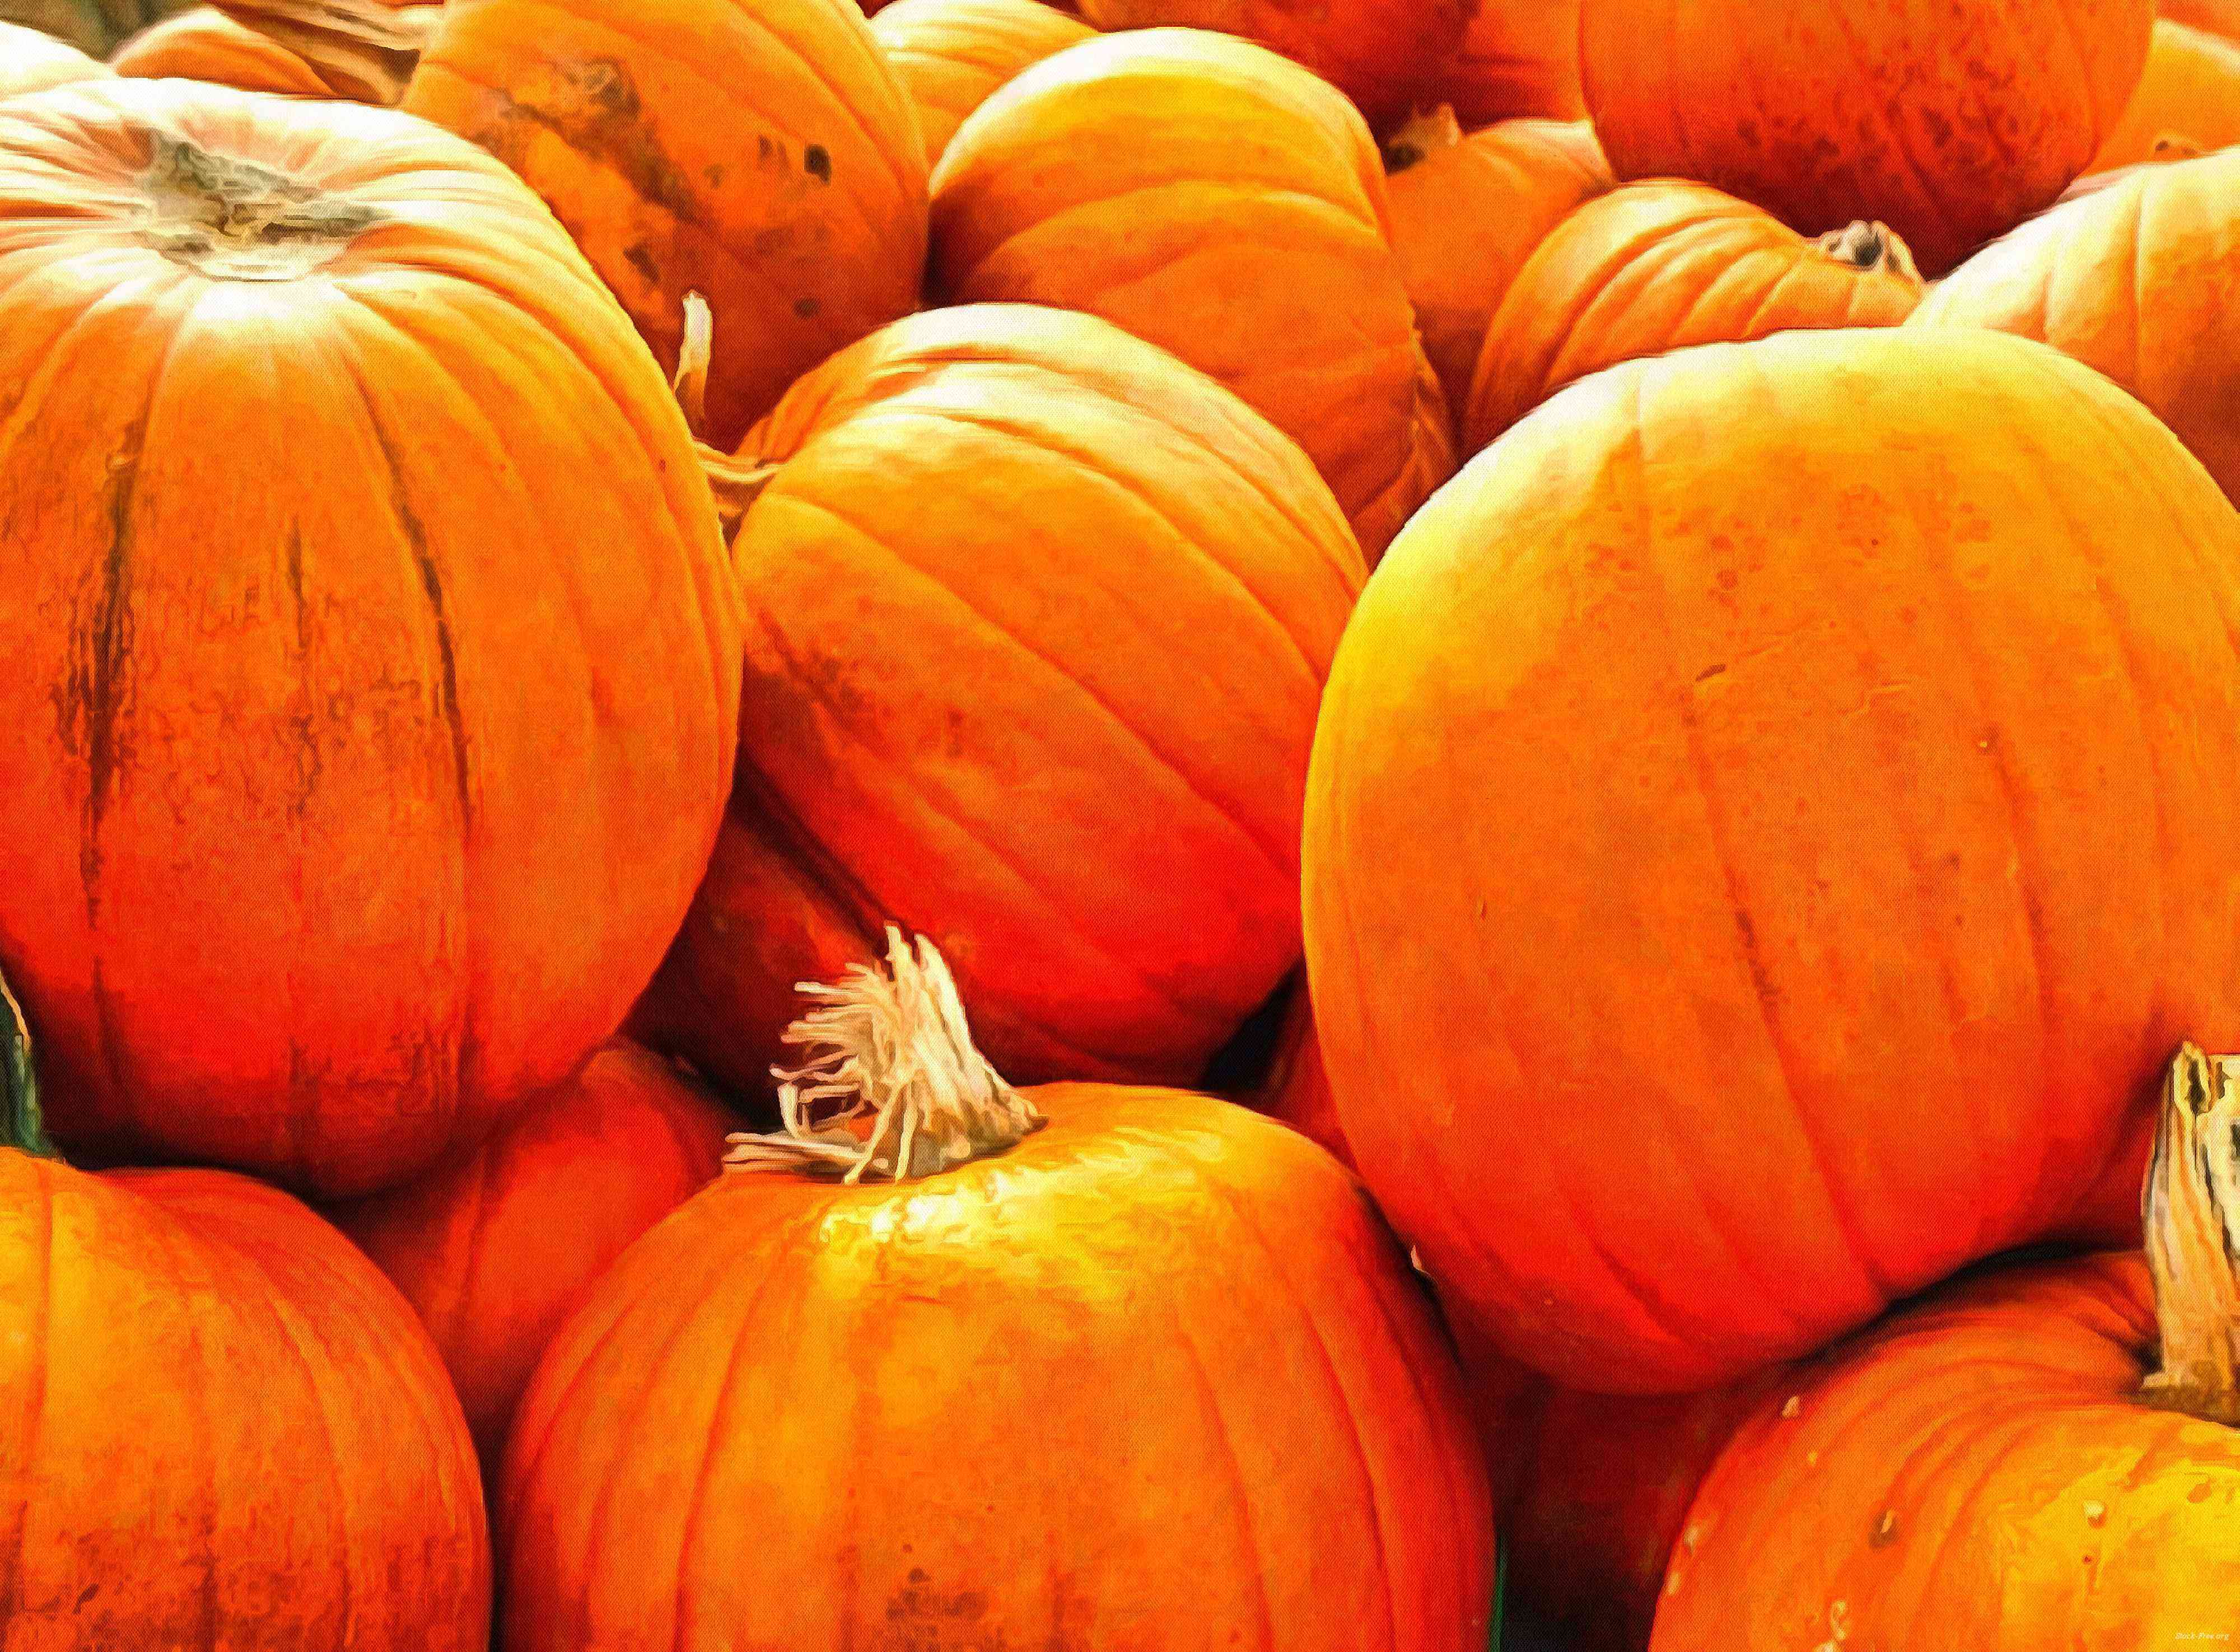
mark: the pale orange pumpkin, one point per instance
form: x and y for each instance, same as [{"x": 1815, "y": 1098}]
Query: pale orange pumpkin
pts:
[
  {"x": 31, "y": 62},
  {"x": 2187, "y": 100},
  {"x": 207, "y": 44},
  {"x": 951, "y": 54}
]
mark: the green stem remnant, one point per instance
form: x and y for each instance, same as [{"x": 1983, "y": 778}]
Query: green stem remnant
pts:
[
  {"x": 2191, "y": 1210},
  {"x": 22, "y": 1126}
]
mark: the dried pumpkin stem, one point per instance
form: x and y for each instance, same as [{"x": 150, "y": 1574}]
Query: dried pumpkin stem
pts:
[
  {"x": 736, "y": 484},
  {"x": 1869, "y": 247},
  {"x": 1427, "y": 133},
  {"x": 690, "y": 382},
  {"x": 21, "y": 1120},
  {"x": 2192, "y": 1218},
  {"x": 894, "y": 1087}
]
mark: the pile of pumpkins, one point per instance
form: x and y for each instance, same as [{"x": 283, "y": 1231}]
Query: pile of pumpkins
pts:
[{"x": 1211, "y": 824}]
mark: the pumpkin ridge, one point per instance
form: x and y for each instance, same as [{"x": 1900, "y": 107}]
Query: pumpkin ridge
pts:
[{"x": 1895, "y": 131}]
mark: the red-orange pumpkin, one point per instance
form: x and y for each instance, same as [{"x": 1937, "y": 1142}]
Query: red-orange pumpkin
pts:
[
  {"x": 951, "y": 55},
  {"x": 224, "y": 1430},
  {"x": 1518, "y": 57},
  {"x": 1735, "y": 895},
  {"x": 206, "y": 44},
  {"x": 1294, "y": 1088},
  {"x": 497, "y": 1248},
  {"x": 352, "y": 799},
  {"x": 987, "y": 1390},
  {"x": 1656, "y": 267},
  {"x": 1951, "y": 123},
  {"x": 761, "y": 152},
  {"x": 31, "y": 62},
  {"x": 1244, "y": 231},
  {"x": 2188, "y": 99},
  {"x": 1039, "y": 622}
]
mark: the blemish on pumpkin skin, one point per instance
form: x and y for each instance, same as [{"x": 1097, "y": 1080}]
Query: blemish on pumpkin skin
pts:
[
  {"x": 805, "y": 308},
  {"x": 639, "y": 257},
  {"x": 816, "y": 161}
]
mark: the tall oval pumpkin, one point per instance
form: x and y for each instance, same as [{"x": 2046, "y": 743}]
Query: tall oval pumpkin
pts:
[
  {"x": 1748, "y": 878},
  {"x": 370, "y": 672}
]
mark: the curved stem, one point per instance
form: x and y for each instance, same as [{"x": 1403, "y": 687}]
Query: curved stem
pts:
[
  {"x": 22, "y": 1125},
  {"x": 689, "y": 382},
  {"x": 2191, "y": 1209}
]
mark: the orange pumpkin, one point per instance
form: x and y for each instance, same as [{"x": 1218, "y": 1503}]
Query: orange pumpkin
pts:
[
  {"x": 951, "y": 54},
  {"x": 1518, "y": 57},
  {"x": 1951, "y": 122},
  {"x": 207, "y": 44},
  {"x": 2216, "y": 17},
  {"x": 1039, "y": 622},
  {"x": 31, "y": 62},
  {"x": 225, "y": 1431},
  {"x": 2134, "y": 281},
  {"x": 761, "y": 152},
  {"x": 1655, "y": 267},
  {"x": 2045, "y": 1455},
  {"x": 1383, "y": 54},
  {"x": 949, "y": 1358},
  {"x": 1246, "y": 234},
  {"x": 318, "y": 773},
  {"x": 495, "y": 1250},
  {"x": 1294, "y": 1088},
  {"x": 1760, "y": 796},
  {"x": 2188, "y": 99}
]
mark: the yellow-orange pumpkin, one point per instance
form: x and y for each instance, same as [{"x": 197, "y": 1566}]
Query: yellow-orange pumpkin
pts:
[
  {"x": 1518, "y": 58},
  {"x": 2188, "y": 99},
  {"x": 207, "y": 44},
  {"x": 31, "y": 62},
  {"x": 951, "y": 54}
]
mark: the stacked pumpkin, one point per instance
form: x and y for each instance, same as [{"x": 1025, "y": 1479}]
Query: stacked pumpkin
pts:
[{"x": 700, "y": 683}]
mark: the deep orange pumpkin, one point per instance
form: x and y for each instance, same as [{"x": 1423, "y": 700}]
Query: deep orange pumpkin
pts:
[
  {"x": 1518, "y": 57},
  {"x": 1951, "y": 123},
  {"x": 951, "y": 55},
  {"x": 497, "y": 1248},
  {"x": 1294, "y": 1088},
  {"x": 761, "y": 152},
  {"x": 1039, "y": 622},
  {"x": 1656, "y": 267},
  {"x": 31, "y": 62},
  {"x": 1734, "y": 896},
  {"x": 1245, "y": 232},
  {"x": 1016, "y": 1397},
  {"x": 206, "y": 44},
  {"x": 321, "y": 775},
  {"x": 224, "y": 1429},
  {"x": 1467, "y": 211}
]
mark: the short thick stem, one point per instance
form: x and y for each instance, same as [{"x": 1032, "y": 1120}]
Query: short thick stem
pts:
[
  {"x": 2192, "y": 1211},
  {"x": 1870, "y": 249},
  {"x": 22, "y": 1125},
  {"x": 1425, "y": 135}
]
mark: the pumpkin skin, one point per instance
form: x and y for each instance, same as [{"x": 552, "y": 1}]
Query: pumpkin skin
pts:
[
  {"x": 760, "y": 152},
  {"x": 494, "y": 1250},
  {"x": 951, "y": 55},
  {"x": 1837, "y": 843},
  {"x": 2133, "y": 281},
  {"x": 2190, "y": 95},
  {"x": 206, "y": 44},
  {"x": 1265, "y": 183},
  {"x": 31, "y": 62},
  {"x": 95, "y": 27},
  {"x": 1518, "y": 57},
  {"x": 1092, "y": 804},
  {"x": 316, "y": 774},
  {"x": 1294, "y": 1088},
  {"x": 2214, "y": 16},
  {"x": 1656, "y": 267},
  {"x": 1938, "y": 117},
  {"x": 1467, "y": 213}
]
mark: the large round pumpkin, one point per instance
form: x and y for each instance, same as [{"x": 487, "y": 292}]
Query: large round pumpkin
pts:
[
  {"x": 207, "y": 44},
  {"x": 761, "y": 152},
  {"x": 2046, "y": 1455},
  {"x": 31, "y": 62},
  {"x": 951, "y": 55},
  {"x": 1949, "y": 120},
  {"x": 1039, "y": 620},
  {"x": 1245, "y": 233},
  {"x": 1079, "y": 1365},
  {"x": 1772, "y": 817},
  {"x": 2134, "y": 281},
  {"x": 224, "y": 1428},
  {"x": 1467, "y": 211},
  {"x": 351, "y": 798},
  {"x": 495, "y": 1250},
  {"x": 1656, "y": 267},
  {"x": 2188, "y": 99},
  {"x": 1518, "y": 57}
]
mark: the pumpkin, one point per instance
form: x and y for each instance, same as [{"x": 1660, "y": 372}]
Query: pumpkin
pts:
[
  {"x": 1264, "y": 185},
  {"x": 2044, "y": 1455},
  {"x": 1383, "y": 54},
  {"x": 1294, "y": 1088},
  {"x": 761, "y": 152},
  {"x": 2214, "y": 16},
  {"x": 1466, "y": 214},
  {"x": 207, "y": 44},
  {"x": 1735, "y": 871},
  {"x": 2132, "y": 280},
  {"x": 1655, "y": 267},
  {"x": 225, "y": 1431},
  {"x": 1039, "y": 623},
  {"x": 494, "y": 1249},
  {"x": 319, "y": 774},
  {"x": 1518, "y": 57},
  {"x": 1950, "y": 122},
  {"x": 949, "y": 55},
  {"x": 94, "y": 27},
  {"x": 31, "y": 62},
  {"x": 967, "y": 1364},
  {"x": 2188, "y": 99}
]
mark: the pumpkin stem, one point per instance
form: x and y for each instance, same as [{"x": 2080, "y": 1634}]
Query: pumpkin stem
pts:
[
  {"x": 690, "y": 379},
  {"x": 736, "y": 484},
  {"x": 1869, "y": 248},
  {"x": 2192, "y": 1218},
  {"x": 22, "y": 1125},
  {"x": 894, "y": 1086},
  {"x": 1427, "y": 133}
]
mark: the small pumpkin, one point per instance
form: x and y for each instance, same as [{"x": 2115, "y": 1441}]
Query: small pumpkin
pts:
[
  {"x": 2188, "y": 99},
  {"x": 1656, "y": 267},
  {"x": 2134, "y": 280},
  {"x": 225, "y": 1430},
  {"x": 31, "y": 62},
  {"x": 1039, "y": 618},
  {"x": 2044, "y": 1455},
  {"x": 908, "y": 1332},
  {"x": 495, "y": 1250},
  {"x": 951, "y": 54},
  {"x": 207, "y": 44},
  {"x": 1846, "y": 956},
  {"x": 1518, "y": 58},
  {"x": 317, "y": 772},
  {"x": 1947, "y": 123},
  {"x": 1247, "y": 235},
  {"x": 761, "y": 152},
  {"x": 1467, "y": 211}
]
